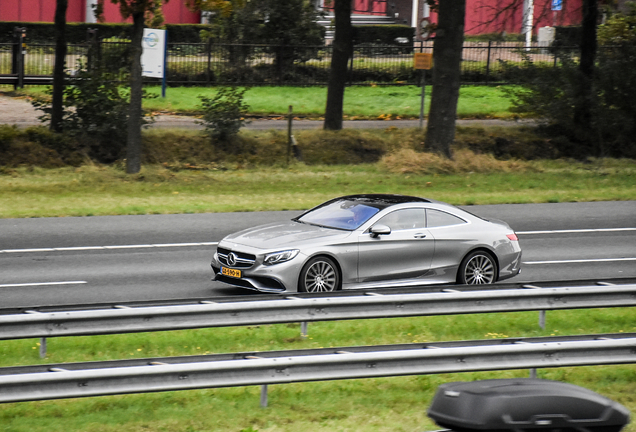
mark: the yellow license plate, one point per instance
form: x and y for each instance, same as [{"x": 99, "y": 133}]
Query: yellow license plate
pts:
[{"x": 231, "y": 272}]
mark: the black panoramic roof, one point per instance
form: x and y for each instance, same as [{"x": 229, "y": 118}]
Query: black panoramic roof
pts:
[
  {"x": 387, "y": 199},
  {"x": 379, "y": 201}
]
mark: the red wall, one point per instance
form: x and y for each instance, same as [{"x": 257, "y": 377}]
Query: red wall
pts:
[
  {"x": 368, "y": 6},
  {"x": 175, "y": 11},
  {"x": 495, "y": 16},
  {"x": 478, "y": 13},
  {"x": 39, "y": 10}
]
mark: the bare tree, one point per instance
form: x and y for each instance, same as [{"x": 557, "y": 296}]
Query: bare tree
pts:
[
  {"x": 582, "y": 114},
  {"x": 138, "y": 10},
  {"x": 447, "y": 56},
  {"x": 57, "y": 105},
  {"x": 587, "y": 46},
  {"x": 342, "y": 48}
]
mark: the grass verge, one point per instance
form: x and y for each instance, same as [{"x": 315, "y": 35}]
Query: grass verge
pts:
[
  {"x": 106, "y": 190},
  {"x": 360, "y": 102}
]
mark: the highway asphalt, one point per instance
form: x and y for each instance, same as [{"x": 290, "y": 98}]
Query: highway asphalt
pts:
[{"x": 56, "y": 261}]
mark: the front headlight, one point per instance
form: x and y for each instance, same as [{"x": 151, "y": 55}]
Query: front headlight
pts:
[{"x": 280, "y": 257}]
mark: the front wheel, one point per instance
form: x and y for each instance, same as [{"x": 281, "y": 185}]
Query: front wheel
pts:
[
  {"x": 477, "y": 268},
  {"x": 320, "y": 274}
]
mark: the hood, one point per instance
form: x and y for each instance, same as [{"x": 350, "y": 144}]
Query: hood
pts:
[{"x": 281, "y": 235}]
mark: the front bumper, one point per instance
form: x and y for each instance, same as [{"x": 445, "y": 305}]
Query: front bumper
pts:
[
  {"x": 262, "y": 284},
  {"x": 263, "y": 278}
]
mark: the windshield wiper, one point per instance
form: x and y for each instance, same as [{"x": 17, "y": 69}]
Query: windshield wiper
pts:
[{"x": 321, "y": 226}]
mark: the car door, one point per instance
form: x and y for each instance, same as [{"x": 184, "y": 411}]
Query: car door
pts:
[
  {"x": 406, "y": 252},
  {"x": 454, "y": 237}
]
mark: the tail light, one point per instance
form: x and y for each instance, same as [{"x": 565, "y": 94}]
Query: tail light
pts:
[{"x": 512, "y": 237}]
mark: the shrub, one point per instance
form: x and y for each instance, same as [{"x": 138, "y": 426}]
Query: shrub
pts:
[
  {"x": 553, "y": 95},
  {"x": 34, "y": 146},
  {"x": 95, "y": 114},
  {"x": 223, "y": 116}
]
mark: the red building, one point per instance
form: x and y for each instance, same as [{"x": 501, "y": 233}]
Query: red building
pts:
[
  {"x": 482, "y": 16},
  {"x": 175, "y": 11}
]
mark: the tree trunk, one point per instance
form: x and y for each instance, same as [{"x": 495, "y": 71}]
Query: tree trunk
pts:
[
  {"x": 342, "y": 48},
  {"x": 447, "y": 57},
  {"x": 57, "y": 105},
  {"x": 583, "y": 112},
  {"x": 133, "y": 149}
]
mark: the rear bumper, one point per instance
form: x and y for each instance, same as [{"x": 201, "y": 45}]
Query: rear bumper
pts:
[{"x": 512, "y": 269}]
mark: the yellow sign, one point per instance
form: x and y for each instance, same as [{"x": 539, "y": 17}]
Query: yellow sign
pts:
[{"x": 423, "y": 61}]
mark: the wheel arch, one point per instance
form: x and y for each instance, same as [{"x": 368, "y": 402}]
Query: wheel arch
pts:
[
  {"x": 318, "y": 255},
  {"x": 479, "y": 249}
]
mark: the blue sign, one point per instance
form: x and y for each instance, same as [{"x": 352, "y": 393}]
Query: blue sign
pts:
[{"x": 557, "y": 5}]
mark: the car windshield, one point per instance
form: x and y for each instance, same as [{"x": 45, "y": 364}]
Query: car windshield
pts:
[{"x": 342, "y": 214}]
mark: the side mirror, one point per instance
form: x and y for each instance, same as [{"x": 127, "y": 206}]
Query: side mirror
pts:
[{"x": 378, "y": 230}]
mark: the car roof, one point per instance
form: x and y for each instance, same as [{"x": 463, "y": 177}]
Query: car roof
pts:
[{"x": 383, "y": 199}]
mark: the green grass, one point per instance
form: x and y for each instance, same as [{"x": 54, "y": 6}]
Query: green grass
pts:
[
  {"x": 359, "y": 102},
  {"x": 382, "y": 404},
  {"x": 101, "y": 190}
]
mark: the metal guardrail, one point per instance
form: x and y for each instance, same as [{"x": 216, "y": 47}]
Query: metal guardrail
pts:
[
  {"x": 296, "y": 309},
  {"x": 422, "y": 289},
  {"x": 58, "y": 382}
]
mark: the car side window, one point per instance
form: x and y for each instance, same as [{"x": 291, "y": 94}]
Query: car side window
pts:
[
  {"x": 405, "y": 219},
  {"x": 436, "y": 218}
]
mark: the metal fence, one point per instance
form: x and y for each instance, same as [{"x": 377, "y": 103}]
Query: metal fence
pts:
[
  {"x": 204, "y": 64},
  {"x": 45, "y": 382},
  {"x": 321, "y": 308}
]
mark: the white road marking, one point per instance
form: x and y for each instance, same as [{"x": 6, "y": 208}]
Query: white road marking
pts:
[
  {"x": 88, "y": 248},
  {"x": 577, "y": 261},
  {"x": 42, "y": 284},
  {"x": 169, "y": 245},
  {"x": 575, "y": 231}
]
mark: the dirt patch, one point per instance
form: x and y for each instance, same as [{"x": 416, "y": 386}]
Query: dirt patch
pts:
[{"x": 18, "y": 111}]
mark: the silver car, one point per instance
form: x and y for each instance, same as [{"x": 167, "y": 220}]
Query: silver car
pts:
[{"x": 369, "y": 241}]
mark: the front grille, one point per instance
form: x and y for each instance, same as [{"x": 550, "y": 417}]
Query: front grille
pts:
[{"x": 243, "y": 260}]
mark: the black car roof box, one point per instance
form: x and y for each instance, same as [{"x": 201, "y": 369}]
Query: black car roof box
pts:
[{"x": 524, "y": 405}]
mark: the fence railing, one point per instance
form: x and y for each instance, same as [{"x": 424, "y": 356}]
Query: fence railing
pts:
[
  {"x": 42, "y": 382},
  {"x": 118, "y": 377},
  {"x": 216, "y": 64},
  {"x": 295, "y": 309}
]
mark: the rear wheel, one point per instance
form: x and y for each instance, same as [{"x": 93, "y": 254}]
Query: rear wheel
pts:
[
  {"x": 320, "y": 274},
  {"x": 477, "y": 268}
]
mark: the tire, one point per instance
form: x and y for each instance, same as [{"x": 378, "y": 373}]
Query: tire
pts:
[
  {"x": 320, "y": 274},
  {"x": 477, "y": 268}
]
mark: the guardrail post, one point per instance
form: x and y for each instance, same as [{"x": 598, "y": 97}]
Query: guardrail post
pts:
[
  {"x": 542, "y": 312},
  {"x": 303, "y": 330},
  {"x": 264, "y": 396},
  {"x": 42, "y": 347}
]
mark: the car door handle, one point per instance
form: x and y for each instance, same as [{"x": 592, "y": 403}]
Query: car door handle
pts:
[{"x": 420, "y": 236}]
